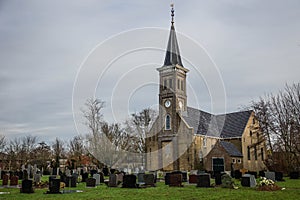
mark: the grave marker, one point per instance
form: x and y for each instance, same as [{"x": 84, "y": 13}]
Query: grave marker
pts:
[
  {"x": 175, "y": 180},
  {"x": 54, "y": 186},
  {"x": 193, "y": 178},
  {"x": 112, "y": 182},
  {"x": 149, "y": 180},
  {"x": 279, "y": 176},
  {"x": 97, "y": 178},
  {"x": 140, "y": 177},
  {"x": 26, "y": 186},
  {"x": 5, "y": 179},
  {"x": 203, "y": 180},
  {"x": 294, "y": 175},
  {"x": 248, "y": 180},
  {"x": 129, "y": 181},
  {"x": 270, "y": 175},
  {"x": 14, "y": 181},
  {"x": 90, "y": 182}
]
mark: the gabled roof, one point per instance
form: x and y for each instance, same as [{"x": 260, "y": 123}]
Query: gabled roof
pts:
[
  {"x": 223, "y": 126},
  {"x": 231, "y": 149}
]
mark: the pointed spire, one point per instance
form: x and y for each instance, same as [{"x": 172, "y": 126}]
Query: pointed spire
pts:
[{"x": 172, "y": 55}]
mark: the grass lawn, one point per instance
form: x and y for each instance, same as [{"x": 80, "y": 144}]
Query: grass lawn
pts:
[{"x": 162, "y": 191}]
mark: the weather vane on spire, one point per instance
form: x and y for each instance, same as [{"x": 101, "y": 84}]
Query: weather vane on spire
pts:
[{"x": 172, "y": 13}]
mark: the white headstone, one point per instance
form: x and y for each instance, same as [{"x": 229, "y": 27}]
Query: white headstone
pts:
[{"x": 97, "y": 177}]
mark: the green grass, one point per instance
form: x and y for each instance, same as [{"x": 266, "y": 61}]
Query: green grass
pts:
[{"x": 162, "y": 191}]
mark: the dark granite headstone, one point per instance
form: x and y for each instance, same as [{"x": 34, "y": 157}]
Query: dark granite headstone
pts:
[
  {"x": 112, "y": 171},
  {"x": 193, "y": 179},
  {"x": 183, "y": 173},
  {"x": 84, "y": 176},
  {"x": 90, "y": 182},
  {"x": 129, "y": 181},
  {"x": 218, "y": 178},
  {"x": 140, "y": 177},
  {"x": 101, "y": 177},
  {"x": 20, "y": 174},
  {"x": 294, "y": 175},
  {"x": 92, "y": 172},
  {"x": 54, "y": 185},
  {"x": 203, "y": 180},
  {"x": 14, "y": 181},
  {"x": 167, "y": 178},
  {"x": 248, "y": 180},
  {"x": 71, "y": 181},
  {"x": 279, "y": 176},
  {"x": 26, "y": 186},
  {"x": 175, "y": 180},
  {"x": 252, "y": 173},
  {"x": 237, "y": 174},
  {"x": 149, "y": 180},
  {"x": 112, "y": 182},
  {"x": 105, "y": 171},
  {"x": 5, "y": 179},
  {"x": 261, "y": 173}
]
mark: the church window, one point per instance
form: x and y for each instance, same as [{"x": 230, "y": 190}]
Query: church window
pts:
[
  {"x": 248, "y": 153},
  {"x": 233, "y": 160},
  {"x": 165, "y": 84},
  {"x": 170, "y": 84},
  {"x": 239, "y": 161},
  {"x": 178, "y": 84},
  {"x": 204, "y": 142},
  {"x": 250, "y": 133},
  {"x": 255, "y": 153},
  {"x": 182, "y": 86},
  {"x": 168, "y": 122},
  {"x": 262, "y": 154}
]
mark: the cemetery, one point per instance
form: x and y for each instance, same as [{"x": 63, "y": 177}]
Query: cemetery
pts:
[{"x": 150, "y": 185}]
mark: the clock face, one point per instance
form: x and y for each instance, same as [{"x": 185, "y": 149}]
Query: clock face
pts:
[{"x": 167, "y": 103}]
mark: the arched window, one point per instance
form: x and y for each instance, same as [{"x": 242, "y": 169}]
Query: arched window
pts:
[{"x": 168, "y": 122}]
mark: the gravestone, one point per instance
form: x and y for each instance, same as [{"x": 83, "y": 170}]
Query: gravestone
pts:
[
  {"x": 85, "y": 175},
  {"x": 26, "y": 186},
  {"x": 97, "y": 178},
  {"x": 183, "y": 173},
  {"x": 149, "y": 180},
  {"x": 90, "y": 182},
  {"x": 101, "y": 177},
  {"x": 167, "y": 178},
  {"x": 14, "y": 181},
  {"x": 105, "y": 171},
  {"x": 252, "y": 173},
  {"x": 112, "y": 182},
  {"x": 68, "y": 172},
  {"x": 71, "y": 181},
  {"x": 218, "y": 178},
  {"x": 261, "y": 173},
  {"x": 270, "y": 175},
  {"x": 203, "y": 180},
  {"x": 21, "y": 174},
  {"x": 5, "y": 179},
  {"x": 36, "y": 179},
  {"x": 227, "y": 181},
  {"x": 294, "y": 175},
  {"x": 129, "y": 181},
  {"x": 248, "y": 180},
  {"x": 54, "y": 186},
  {"x": 140, "y": 178},
  {"x": 25, "y": 175},
  {"x": 237, "y": 174},
  {"x": 193, "y": 178},
  {"x": 279, "y": 176},
  {"x": 175, "y": 180},
  {"x": 92, "y": 172},
  {"x": 120, "y": 178}
]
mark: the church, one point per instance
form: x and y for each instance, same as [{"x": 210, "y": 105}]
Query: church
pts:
[{"x": 185, "y": 138}]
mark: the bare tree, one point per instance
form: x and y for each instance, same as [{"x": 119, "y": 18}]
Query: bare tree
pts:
[
  {"x": 58, "y": 151},
  {"x": 2, "y": 143},
  {"x": 76, "y": 150},
  {"x": 279, "y": 117},
  {"x": 13, "y": 150},
  {"x": 28, "y": 144}
]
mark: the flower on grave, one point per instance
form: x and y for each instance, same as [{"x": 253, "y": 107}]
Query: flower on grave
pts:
[
  {"x": 264, "y": 181},
  {"x": 265, "y": 184}
]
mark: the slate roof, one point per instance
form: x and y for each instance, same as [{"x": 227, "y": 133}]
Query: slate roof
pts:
[
  {"x": 231, "y": 149},
  {"x": 172, "y": 55},
  {"x": 224, "y": 126}
]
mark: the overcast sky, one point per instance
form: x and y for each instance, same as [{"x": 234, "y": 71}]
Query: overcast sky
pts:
[{"x": 254, "y": 46}]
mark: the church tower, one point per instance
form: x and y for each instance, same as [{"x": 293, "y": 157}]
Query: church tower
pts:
[{"x": 172, "y": 96}]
